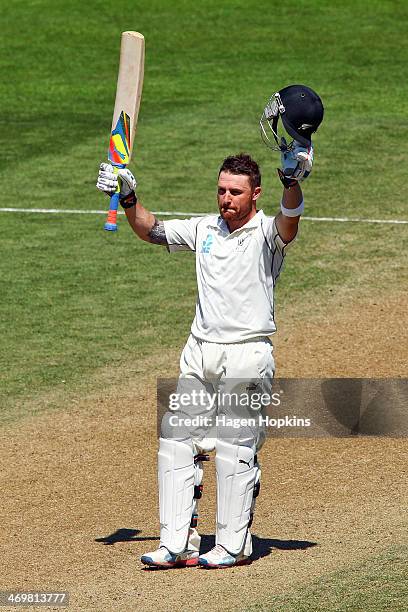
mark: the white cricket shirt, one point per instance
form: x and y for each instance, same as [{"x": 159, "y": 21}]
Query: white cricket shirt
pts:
[{"x": 236, "y": 274}]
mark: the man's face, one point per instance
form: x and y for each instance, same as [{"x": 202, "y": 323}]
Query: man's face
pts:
[{"x": 236, "y": 199}]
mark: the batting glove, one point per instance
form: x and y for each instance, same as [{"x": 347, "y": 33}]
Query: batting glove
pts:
[
  {"x": 297, "y": 163},
  {"x": 108, "y": 182}
]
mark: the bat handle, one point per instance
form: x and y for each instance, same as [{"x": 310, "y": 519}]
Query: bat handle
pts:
[{"x": 111, "y": 225}]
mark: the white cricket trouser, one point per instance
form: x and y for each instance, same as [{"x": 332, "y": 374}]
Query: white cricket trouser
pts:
[{"x": 210, "y": 371}]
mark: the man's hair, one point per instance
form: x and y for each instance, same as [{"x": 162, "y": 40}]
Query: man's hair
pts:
[{"x": 242, "y": 164}]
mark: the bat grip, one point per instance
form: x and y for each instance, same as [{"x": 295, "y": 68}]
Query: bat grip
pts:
[{"x": 111, "y": 225}]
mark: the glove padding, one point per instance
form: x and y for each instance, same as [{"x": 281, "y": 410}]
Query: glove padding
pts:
[
  {"x": 297, "y": 163},
  {"x": 108, "y": 181}
]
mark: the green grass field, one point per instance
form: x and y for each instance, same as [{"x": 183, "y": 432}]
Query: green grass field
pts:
[
  {"x": 76, "y": 299},
  {"x": 380, "y": 583}
]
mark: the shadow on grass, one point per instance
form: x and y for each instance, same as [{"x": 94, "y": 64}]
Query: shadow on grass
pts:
[
  {"x": 124, "y": 535},
  {"x": 262, "y": 546}
]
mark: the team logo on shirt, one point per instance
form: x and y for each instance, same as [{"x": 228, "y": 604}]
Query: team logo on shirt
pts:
[
  {"x": 207, "y": 244},
  {"x": 242, "y": 243}
]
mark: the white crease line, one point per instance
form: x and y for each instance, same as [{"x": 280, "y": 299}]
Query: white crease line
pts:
[
  {"x": 175, "y": 213},
  {"x": 352, "y": 220},
  {"x": 58, "y": 211},
  {"x": 96, "y": 212}
]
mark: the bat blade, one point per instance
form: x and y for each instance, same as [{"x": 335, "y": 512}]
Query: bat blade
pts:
[
  {"x": 126, "y": 110},
  {"x": 119, "y": 145}
]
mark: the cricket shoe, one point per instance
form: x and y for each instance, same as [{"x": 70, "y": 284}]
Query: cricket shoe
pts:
[
  {"x": 162, "y": 557},
  {"x": 218, "y": 557}
]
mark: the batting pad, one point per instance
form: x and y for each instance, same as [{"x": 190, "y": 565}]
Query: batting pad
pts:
[
  {"x": 236, "y": 475},
  {"x": 176, "y": 491}
]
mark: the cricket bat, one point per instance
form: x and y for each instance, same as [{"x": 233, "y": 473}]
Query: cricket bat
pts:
[{"x": 128, "y": 95}]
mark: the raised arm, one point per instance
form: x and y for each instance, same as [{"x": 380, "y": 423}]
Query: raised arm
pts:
[
  {"x": 288, "y": 226},
  {"x": 144, "y": 223},
  {"x": 296, "y": 167}
]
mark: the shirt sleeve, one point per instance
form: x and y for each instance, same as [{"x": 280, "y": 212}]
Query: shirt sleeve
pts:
[
  {"x": 277, "y": 247},
  {"x": 181, "y": 234},
  {"x": 273, "y": 238},
  {"x": 280, "y": 245}
]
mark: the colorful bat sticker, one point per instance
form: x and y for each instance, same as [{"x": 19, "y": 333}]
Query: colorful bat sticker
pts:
[{"x": 119, "y": 145}]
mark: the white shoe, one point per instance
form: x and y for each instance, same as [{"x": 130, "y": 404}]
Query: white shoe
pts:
[
  {"x": 162, "y": 557},
  {"x": 219, "y": 557}
]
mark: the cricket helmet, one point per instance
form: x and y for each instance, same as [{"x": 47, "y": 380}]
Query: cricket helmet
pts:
[{"x": 300, "y": 110}]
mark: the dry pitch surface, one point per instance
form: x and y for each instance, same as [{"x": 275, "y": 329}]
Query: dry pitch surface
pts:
[{"x": 79, "y": 502}]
